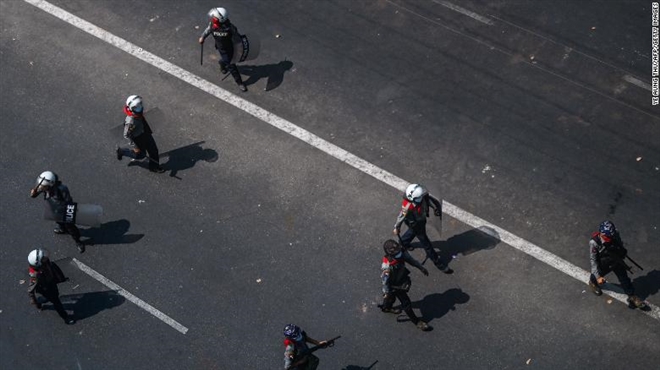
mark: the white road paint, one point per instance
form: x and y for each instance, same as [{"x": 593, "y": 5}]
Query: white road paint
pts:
[
  {"x": 637, "y": 82},
  {"x": 323, "y": 145},
  {"x": 464, "y": 11},
  {"x": 126, "y": 294}
]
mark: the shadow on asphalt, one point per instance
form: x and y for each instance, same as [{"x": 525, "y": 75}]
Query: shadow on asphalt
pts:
[
  {"x": 648, "y": 284},
  {"x": 273, "y": 72},
  {"x": 354, "y": 367},
  {"x": 89, "y": 304},
  {"x": 472, "y": 241},
  {"x": 436, "y": 305},
  {"x": 186, "y": 157},
  {"x": 113, "y": 232}
]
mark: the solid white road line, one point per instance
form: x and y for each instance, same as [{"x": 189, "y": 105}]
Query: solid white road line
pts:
[
  {"x": 637, "y": 82},
  {"x": 321, "y": 144},
  {"x": 126, "y": 294},
  {"x": 464, "y": 11}
]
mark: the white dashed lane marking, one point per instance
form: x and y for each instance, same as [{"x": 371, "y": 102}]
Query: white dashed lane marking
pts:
[
  {"x": 126, "y": 294},
  {"x": 323, "y": 145},
  {"x": 464, "y": 11}
]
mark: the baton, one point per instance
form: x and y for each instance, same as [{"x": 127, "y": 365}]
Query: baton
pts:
[
  {"x": 201, "y": 56},
  {"x": 635, "y": 263}
]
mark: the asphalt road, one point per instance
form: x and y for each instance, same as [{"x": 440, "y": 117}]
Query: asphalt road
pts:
[{"x": 520, "y": 113}]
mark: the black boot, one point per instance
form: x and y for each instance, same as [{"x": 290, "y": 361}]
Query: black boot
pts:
[{"x": 81, "y": 246}]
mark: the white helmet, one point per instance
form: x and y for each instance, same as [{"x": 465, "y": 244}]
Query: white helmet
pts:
[
  {"x": 36, "y": 257},
  {"x": 47, "y": 179},
  {"x": 134, "y": 103},
  {"x": 219, "y": 13},
  {"x": 415, "y": 193}
]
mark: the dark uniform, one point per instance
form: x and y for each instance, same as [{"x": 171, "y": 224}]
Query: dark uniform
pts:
[
  {"x": 224, "y": 34},
  {"x": 296, "y": 351},
  {"x": 414, "y": 216},
  {"x": 57, "y": 197},
  {"x": 137, "y": 130},
  {"x": 44, "y": 280},
  {"x": 607, "y": 255},
  {"x": 396, "y": 281}
]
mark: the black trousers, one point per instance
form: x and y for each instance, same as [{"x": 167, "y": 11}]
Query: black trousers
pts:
[
  {"x": 620, "y": 272},
  {"x": 419, "y": 231},
  {"x": 70, "y": 229},
  {"x": 225, "y": 62},
  {"x": 147, "y": 144},
  {"x": 311, "y": 364},
  {"x": 406, "y": 305},
  {"x": 52, "y": 294}
]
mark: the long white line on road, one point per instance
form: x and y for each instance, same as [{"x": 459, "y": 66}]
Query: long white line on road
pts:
[
  {"x": 637, "y": 82},
  {"x": 323, "y": 145},
  {"x": 464, "y": 11},
  {"x": 126, "y": 294}
]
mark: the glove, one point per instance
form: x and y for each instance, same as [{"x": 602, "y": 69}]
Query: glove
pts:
[
  {"x": 424, "y": 271},
  {"x": 437, "y": 212}
]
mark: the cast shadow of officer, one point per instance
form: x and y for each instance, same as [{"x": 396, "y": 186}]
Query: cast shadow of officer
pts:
[
  {"x": 471, "y": 241},
  {"x": 647, "y": 285},
  {"x": 187, "y": 156},
  {"x": 274, "y": 73},
  {"x": 113, "y": 232},
  {"x": 89, "y": 304},
  {"x": 355, "y": 367},
  {"x": 436, "y": 305}
]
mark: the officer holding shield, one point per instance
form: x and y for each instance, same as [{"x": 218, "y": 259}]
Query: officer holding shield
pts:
[
  {"x": 59, "y": 201},
  {"x": 224, "y": 33}
]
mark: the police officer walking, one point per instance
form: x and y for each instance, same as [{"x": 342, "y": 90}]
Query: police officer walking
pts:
[
  {"x": 606, "y": 254},
  {"x": 296, "y": 351},
  {"x": 137, "y": 130},
  {"x": 396, "y": 281},
  {"x": 224, "y": 33},
  {"x": 58, "y": 197},
  {"x": 414, "y": 212},
  {"x": 44, "y": 277}
]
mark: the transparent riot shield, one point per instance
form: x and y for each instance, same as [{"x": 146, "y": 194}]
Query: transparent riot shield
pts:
[
  {"x": 245, "y": 48},
  {"x": 79, "y": 214}
]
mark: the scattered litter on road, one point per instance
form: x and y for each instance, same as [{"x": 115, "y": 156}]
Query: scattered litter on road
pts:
[
  {"x": 639, "y": 159},
  {"x": 278, "y": 36},
  {"x": 21, "y": 282},
  {"x": 258, "y": 280},
  {"x": 77, "y": 285},
  {"x": 196, "y": 27},
  {"x": 140, "y": 201},
  {"x": 529, "y": 361},
  {"x": 609, "y": 301}
]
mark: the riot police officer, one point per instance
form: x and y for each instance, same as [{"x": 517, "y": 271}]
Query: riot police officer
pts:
[
  {"x": 296, "y": 351},
  {"x": 137, "y": 130},
  {"x": 607, "y": 254},
  {"x": 58, "y": 197},
  {"x": 396, "y": 281},
  {"x": 414, "y": 212},
  {"x": 44, "y": 277},
  {"x": 224, "y": 33}
]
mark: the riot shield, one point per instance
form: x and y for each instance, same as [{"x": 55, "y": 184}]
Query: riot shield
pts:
[
  {"x": 79, "y": 214},
  {"x": 245, "y": 48}
]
